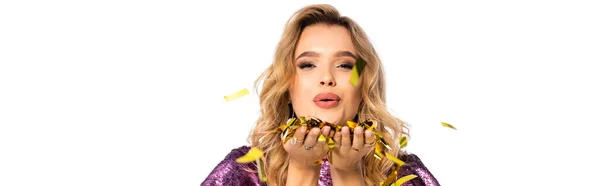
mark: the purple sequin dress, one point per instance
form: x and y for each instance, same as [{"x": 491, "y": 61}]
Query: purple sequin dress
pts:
[{"x": 230, "y": 173}]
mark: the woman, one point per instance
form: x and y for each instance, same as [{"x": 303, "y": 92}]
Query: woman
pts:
[{"x": 310, "y": 77}]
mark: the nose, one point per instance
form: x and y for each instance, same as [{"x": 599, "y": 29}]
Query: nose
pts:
[
  {"x": 328, "y": 83},
  {"x": 328, "y": 80}
]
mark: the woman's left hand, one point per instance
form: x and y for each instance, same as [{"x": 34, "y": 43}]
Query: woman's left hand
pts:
[{"x": 348, "y": 153}]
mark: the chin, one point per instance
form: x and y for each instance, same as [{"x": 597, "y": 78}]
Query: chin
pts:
[{"x": 331, "y": 119}]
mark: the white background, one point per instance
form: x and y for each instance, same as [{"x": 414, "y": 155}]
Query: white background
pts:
[{"x": 131, "y": 92}]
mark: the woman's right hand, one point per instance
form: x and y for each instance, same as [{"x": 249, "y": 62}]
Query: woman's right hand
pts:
[{"x": 306, "y": 151}]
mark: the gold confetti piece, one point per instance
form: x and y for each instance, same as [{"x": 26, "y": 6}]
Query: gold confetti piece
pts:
[
  {"x": 403, "y": 141},
  {"x": 237, "y": 95},
  {"x": 261, "y": 171},
  {"x": 330, "y": 158},
  {"x": 318, "y": 162},
  {"x": 354, "y": 76},
  {"x": 302, "y": 121},
  {"x": 322, "y": 138},
  {"x": 330, "y": 143},
  {"x": 444, "y": 124},
  {"x": 252, "y": 155},
  {"x": 357, "y": 71},
  {"x": 394, "y": 159},
  {"x": 404, "y": 179},
  {"x": 378, "y": 151},
  {"x": 285, "y": 134},
  {"x": 385, "y": 144},
  {"x": 391, "y": 177},
  {"x": 351, "y": 124}
]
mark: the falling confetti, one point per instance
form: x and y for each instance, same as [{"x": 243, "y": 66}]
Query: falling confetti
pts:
[
  {"x": 403, "y": 142},
  {"x": 252, "y": 155},
  {"x": 404, "y": 179},
  {"x": 389, "y": 181},
  {"x": 394, "y": 159},
  {"x": 237, "y": 95},
  {"x": 444, "y": 124},
  {"x": 357, "y": 70},
  {"x": 261, "y": 171}
]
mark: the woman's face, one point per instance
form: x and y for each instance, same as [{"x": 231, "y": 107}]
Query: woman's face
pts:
[{"x": 323, "y": 59}]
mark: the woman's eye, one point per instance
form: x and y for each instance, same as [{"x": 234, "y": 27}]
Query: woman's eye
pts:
[
  {"x": 304, "y": 65},
  {"x": 347, "y": 65}
]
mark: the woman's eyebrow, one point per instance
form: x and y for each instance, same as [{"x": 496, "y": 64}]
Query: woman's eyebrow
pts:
[
  {"x": 308, "y": 54},
  {"x": 337, "y": 54},
  {"x": 345, "y": 54}
]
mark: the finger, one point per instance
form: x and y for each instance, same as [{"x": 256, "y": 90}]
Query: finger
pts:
[
  {"x": 346, "y": 144},
  {"x": 311, "y": 138},
  {"x": 298, "y": 138},
  {"x": 369, "y": 138},
  {"x": 325, "y": 130},
  {"x": 358, "y": 142},
  {"x": 337, "y": 138}
]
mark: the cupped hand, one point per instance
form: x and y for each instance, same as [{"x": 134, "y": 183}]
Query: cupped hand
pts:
[
  {"x": 349, "y": 149},
  {"x": 306, "y": 149}
]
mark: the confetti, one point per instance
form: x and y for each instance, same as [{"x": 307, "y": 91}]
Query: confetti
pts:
[
  {"x": 330, "y": 143},
  {"x": 357, "y": 70},
  {"x": 237, "y": 95},
  {"x": 322, "y": 138},
  {"x": 403, "y": 142},
  {"x": 404, "y": 179},
  {"x": 289, "y": 128},
  {"x": 394, "y": 159},
  {"x": 444, "y": 124},
  {"x": 261, "y": 171},
  {"x": 392, "y": 176},
  {"x": 252, "y": 155},
  {"x": 351, "y": 124},
  {"x": 378, "y": 151}
]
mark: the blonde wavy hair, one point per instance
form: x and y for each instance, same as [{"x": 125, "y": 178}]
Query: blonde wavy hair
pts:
[{"x": 277, "y": 79}]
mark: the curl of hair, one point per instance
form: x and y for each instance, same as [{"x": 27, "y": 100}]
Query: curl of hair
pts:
[{"x": 274, "y": 96}]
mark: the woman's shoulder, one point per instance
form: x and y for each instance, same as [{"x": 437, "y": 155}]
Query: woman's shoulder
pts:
[
  {"x": 230, "y": 172},
  {"x": 237, "y": 152},
  {"x": 414, "y": 165}
]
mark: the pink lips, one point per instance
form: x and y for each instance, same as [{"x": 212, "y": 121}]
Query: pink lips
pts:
[{"x": 326, "y": 100}]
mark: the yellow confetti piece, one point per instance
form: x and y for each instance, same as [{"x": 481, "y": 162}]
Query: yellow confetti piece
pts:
[
  {"x": 403, "y": 141},
  {"x": 378, "y": 151},
  {"x": 322, "y": 138},
  {"x": 394, "y": 159},
  {"x": 318, "y": 162},
  {"x": 404, "y": 179},
  {"x": 354, "y": 77},
  {"x": 261, "y": 171},
  {"x": 391, "y": 177},
  {"x": 330, "y": 143},
  {"x": 444, "y": 124},
  {"x": 351, "y": 124},
  {"x": 252, "y": 155},
  {"x": 357, "y": 71},
  {"x": 237, "y": 95}
]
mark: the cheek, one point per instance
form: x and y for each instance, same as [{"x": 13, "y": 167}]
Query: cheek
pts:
[{"x": 300, "y": 87}]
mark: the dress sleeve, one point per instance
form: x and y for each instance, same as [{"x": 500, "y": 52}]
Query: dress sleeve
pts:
[
  {"x": 229, "y": 172},
  {"x": 413, "y": 165}
]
